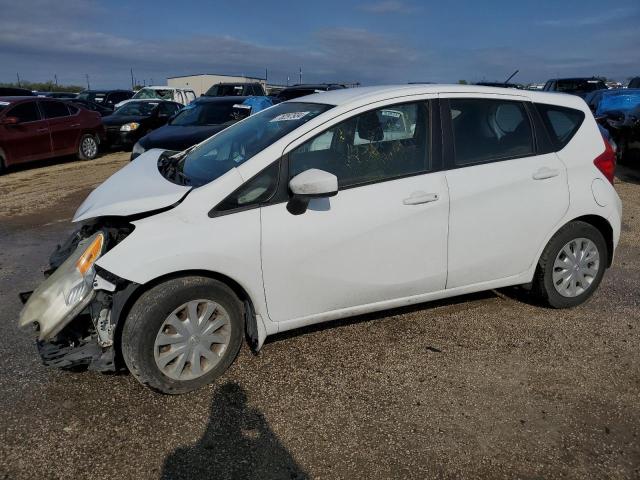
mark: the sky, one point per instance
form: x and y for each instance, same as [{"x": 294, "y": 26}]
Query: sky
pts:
[{"x": 371, "y": 42}]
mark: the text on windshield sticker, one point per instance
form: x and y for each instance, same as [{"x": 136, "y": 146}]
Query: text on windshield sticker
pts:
[{"x": 284, "y": 117}]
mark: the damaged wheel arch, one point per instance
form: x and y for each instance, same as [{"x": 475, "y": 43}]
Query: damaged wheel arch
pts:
[{"x": 125, "y": 298}]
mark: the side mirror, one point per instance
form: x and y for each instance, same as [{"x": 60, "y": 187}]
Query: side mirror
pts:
[
  {"x": 10, "y": 121},
  {"x": 312, "y": 183}
]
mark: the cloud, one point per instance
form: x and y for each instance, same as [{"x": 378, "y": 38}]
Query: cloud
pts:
[
  {"x": 388, "y": 6},
  {"x": 606, "y": 16}
]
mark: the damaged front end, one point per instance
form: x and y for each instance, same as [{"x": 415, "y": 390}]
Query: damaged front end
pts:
[{"x": 72, "y": 309}]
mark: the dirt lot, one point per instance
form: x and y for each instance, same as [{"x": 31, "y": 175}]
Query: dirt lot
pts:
[{"x": 481, "y": 386}]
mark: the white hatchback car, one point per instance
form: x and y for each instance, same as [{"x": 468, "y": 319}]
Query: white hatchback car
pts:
[{"x": 324, "y": 207}]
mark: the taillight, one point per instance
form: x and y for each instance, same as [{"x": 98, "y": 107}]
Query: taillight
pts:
[{"x": 606, "y": 162}]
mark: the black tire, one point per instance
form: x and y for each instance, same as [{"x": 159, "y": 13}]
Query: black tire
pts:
[
  {"x": 3, "y": 167},
  {"x": 88, "y": 147},
  {"x": 147, "y": 316},
  {"x": 543, "y": 287}
]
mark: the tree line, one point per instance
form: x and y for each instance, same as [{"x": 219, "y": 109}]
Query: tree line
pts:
[{"x": 44, "y": 86}]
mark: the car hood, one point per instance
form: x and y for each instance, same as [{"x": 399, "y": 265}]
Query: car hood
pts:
[
  {"x": 175, "y": 137},
  {"x": 137, "y": 188},
  {"x": 121, "y": 119}
]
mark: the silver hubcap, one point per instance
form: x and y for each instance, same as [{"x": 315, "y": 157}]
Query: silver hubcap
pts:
[
  {"x": 89, "y": 147},
  {"x": 192, "y": 340},
  {"x": 576, "y": 267}
]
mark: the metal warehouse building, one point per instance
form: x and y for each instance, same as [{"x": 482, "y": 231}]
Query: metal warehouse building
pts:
[{"x": 200, "y": 83}]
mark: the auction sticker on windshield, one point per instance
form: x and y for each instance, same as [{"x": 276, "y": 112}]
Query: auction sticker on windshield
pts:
[{"x": 283, "y": 117}]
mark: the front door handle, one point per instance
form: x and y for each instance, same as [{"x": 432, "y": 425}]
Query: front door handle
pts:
[
  {"x": 42, "y": 130},
  {"x": 416, "y": 198},
  {"x": 545, "y": 172}
]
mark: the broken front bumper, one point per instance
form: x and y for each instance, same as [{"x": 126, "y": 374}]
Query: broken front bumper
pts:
[{"x": 61, "y": 297}]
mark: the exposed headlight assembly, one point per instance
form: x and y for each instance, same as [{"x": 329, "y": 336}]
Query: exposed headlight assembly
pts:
[
  {"x": 129, "y": 127},
  {"x": 65, "y": 293}
]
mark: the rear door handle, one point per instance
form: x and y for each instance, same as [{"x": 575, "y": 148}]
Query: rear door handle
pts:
[
  {"x": 42, "y": 130},
  {"x": 416, "y": 198},
  {"x": 545, "y": 172}
]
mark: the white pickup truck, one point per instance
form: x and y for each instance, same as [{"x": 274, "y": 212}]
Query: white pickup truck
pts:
[{"x": 180, "y": 95}]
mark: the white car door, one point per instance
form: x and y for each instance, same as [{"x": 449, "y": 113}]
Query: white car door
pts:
[
  {"x": 382, "y": 237},
  {"x": 505, "y": 196}
]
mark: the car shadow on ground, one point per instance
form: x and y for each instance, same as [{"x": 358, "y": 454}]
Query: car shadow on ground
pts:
[
  {"x": 238, "y": 443},
  {"x": 452, "y": 302}
]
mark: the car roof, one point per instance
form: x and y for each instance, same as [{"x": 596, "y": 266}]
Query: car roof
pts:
[
  {"x": 107, "y": 90},
  {"x": 25, "y": 98},
  {"x": 227, "y": 99},
  {"x": 161, "y": 87},
  {"x": 237, "y": 83},
  {"x": 364, "y": 95},
  {"x": 306, "y": 86},
  {"x": 573, "y": 79}
]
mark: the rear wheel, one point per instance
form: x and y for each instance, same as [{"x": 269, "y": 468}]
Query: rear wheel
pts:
[
  {"x": 88, "y": 147},
  {"x": 183, "y": 334},
  {"x": 571, "y": 266},
  {"x": 3, "y": 166}
]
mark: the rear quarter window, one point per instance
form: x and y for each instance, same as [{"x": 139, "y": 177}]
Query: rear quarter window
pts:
[{"x": 562, "y": 123}]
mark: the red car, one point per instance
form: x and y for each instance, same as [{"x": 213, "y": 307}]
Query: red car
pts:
[{"x": 35, "y": 128}]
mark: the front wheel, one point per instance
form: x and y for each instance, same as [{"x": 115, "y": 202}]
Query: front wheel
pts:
[
  {"x": 88, "y": 147},
  {"x": 571, "y": 266},
  {"x": 183, "y": 334}
]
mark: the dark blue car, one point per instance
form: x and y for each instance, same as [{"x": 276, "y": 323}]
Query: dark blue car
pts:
[{"x": 198, "y": 121}]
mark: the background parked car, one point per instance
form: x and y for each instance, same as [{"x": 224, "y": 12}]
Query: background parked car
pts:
[
  {"x": 634, "y": 83},
  {"x": 194, "y": 123},
  {"x": 136, "y": 118},
  {"x": 179, "y": 95},
  {"x": 15, "y": 92},
  {"x": 94, "y": 107},
  {"x": 619, "y": 112},
  {"x": 574, "y": 86},
  {"x": 300, "y": 90},
  {"x": 240, "y": 89},
  {"x": 57, "y": 94},
  {"x": 106, "y": 98},
  {"x": 35, "y": 128},
  {"x": 200, "y": 120},
  {"x": 501, "y": 85}
]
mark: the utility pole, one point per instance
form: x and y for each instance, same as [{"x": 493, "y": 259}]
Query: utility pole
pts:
[
  {"x": 18, "y": 75},
  {"x": 266, "y": 75},
  {"x": 88, "y": 85},
  {"x": 300, "y": 74},
  {"x": 55, "y": 76},
  {"x": 132, "y": 81}
]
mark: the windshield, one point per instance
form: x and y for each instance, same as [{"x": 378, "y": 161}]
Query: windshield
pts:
[
  {"x": 143, "y": 109},
  {"x": 225, "y": 91},
  {"x": 153, "y": 93},
  {"x": 209, "y": 113},
  {"x": 580, "y": 85},
  {"x": 238, "y": 143},
  {"x": 97, "y": 97}
]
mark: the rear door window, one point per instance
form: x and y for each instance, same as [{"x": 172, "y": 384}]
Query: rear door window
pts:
[
  {"x": 487, "y": 130},
  {"x": 25, "y": 112},
  {"x": 561, "y": 122},
  {"x": 54, "y": 109}
]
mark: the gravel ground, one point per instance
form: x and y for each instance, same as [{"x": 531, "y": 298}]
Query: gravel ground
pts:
[{"x": 483, "y": 386}]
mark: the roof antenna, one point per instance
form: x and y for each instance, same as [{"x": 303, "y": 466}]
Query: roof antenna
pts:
[{"x": 512, "y": 75}]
